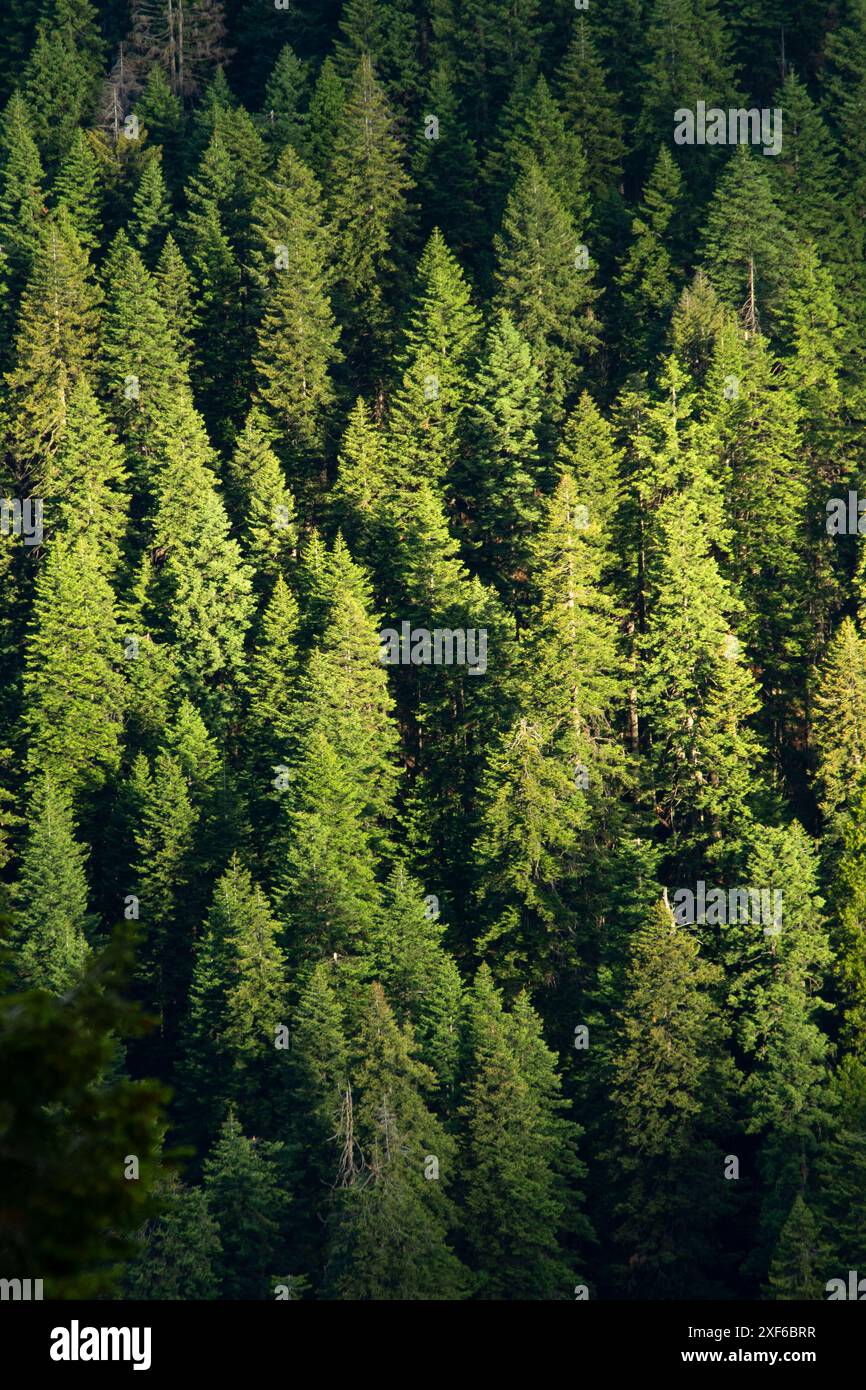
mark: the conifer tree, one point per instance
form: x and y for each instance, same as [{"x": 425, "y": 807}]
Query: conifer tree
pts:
[
  {"x": 53, "y": 344},
  {"x": 160, "y": 111},
  {"x": 649, "y": 281},
  {"x": 323, "y": 122},
  {"x": 592, "y": 110},
  {"x": 421, "y": 980},
  {"x": 387, "y": 32},
  {"x": 21, "y": 197},
  {"x": 73, "y": 689},
  {"x": 318, "y": 1062},
  {"x": 181, "y": 1250},
  {"x": 774, "y": 977},
  {"x": 361, "y": 484},
  {"x": 368, "y": 204},
  {"x": 263, "y": 501},
  {"x": 283, "y": 118},
  {"x": 670, "y": 1091},
  {"x": 248, "y": 1203},
  {"x": 389, "y": 1222},
  {"x": 522, "y": 1161},
  {"x": 236, "y": 999},
  {"x": 142, "y": 374},
  {"x": 60, "y": 83},
  {"x": 200, "y": 595},
  {"x": 746, "y": 244},
  {"x": 83, "y": 485},
  {"x": 151, "y": 211},
  {"x": 839, "y": 719},
  {"x": 296, "y": 335},
  {"x": 545, "y": 277},
  {"x": 78, "y": 188},
  {"x": 795, "y": 1267},
  {"x": 164, "y": 872},
  {"x": 440, "y": 343},
  {"x": 52, "y": 923},
  {"x": 326, "y": 888},
  {"x": 175, "y": 290},
  {"x": 502, "y": 483},
  {"x": 445, "y": 169},
  {"x": 689, "y": 59}
]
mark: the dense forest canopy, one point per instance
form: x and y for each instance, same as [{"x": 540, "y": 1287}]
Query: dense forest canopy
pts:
[{"x": 433, "y": 685}]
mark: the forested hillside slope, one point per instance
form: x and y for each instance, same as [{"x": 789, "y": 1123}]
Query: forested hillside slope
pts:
[{"x": 433, "y": 694}]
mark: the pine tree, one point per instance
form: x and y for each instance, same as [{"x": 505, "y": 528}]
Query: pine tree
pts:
[
  {"x": 649, "y": 281},
  {"x": 175, "y": 290},
  {"x": 263, "y": 501},
  {"x": 689, "y": 59},
  {"x": 163, "y": 874},
  {"x": 697, "y": 695},
  {"x": 323, "y": 122},
  {"x": 421, "y": 980},
  {"x": 546, "y": 822},
  {"x": 839, "y": 719},
  {"x": 83, "y": 485},
  {"x": 326, "y": 887},
  {"x": 501, "y": 486},
  {"x": 199, "y": 597},
  {"x": 774, "y": 977},
  {"x": 60, "y": 86},
  {"x": 445, "y": 170},
  {"x": 533, "y": 127},
  {"x": 362, "y": 483},
  {"x": 846, "y": 851},
  {"x": 142, "y": 375},
  {"x": 745, "y": 244},
  {"x": 343, "y": 693},
  {"x": 159, "y": 110},
  {"x": 52, "y": 923},
  {"x": 387, "y": 32},
  {"x": 273, "y": 678}
]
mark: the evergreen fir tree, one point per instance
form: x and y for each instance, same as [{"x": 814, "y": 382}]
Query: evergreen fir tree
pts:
[
  {"x": 368, "y": 192},
  {"x": 671, "y": 1088},
  {"x": 181, "y": 1249},
  {"x": 52, "y": 923},
  {"x": 78, "y": 188},
  {"x": 521, "y": 1155},
  {"x": 389, "y": 1223},
  {"x": 248, "y": 1204},
  {"x": 296, "y": 335},
  {"x": 73, "y": 689},
  {"x": 151, "y": 211}
]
